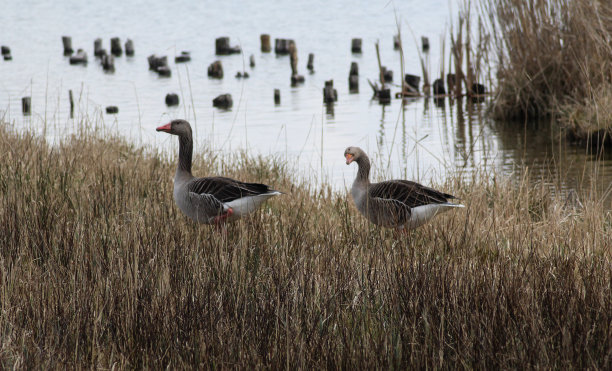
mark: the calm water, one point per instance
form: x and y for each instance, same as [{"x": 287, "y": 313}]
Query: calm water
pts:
[{"x": 419, "y": 140}]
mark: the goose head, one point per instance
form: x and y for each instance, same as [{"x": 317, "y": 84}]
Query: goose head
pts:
[
  {"x": 353, "y": 154},
  {"x": 176, "y": 127}
]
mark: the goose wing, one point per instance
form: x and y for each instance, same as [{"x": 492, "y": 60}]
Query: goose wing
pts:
[
  {"x": 226, "y": 189},
  {"x": 408, "y": 193}
]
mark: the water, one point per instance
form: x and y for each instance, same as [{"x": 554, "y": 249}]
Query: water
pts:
[{"x": 419, "y": 140}]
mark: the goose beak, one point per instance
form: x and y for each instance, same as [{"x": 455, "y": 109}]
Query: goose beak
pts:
[
  {"x": 165, "y": 128},
  {"x": 349, "y": 158}
]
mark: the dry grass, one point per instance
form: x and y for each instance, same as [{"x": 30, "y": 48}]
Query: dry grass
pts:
[
  {"x": 552, "y": 53},
  {"x": 98, "y": 268}
]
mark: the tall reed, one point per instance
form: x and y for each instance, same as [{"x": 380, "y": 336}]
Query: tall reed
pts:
[{"x": 554, "y": 58}]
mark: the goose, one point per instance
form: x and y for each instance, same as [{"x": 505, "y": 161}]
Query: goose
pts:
[
  {"x": 400, "y": 204},
  {"x": 211, "y": 199}
]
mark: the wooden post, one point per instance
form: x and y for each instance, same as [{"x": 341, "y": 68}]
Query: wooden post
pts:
[
  {"x": 356, "y": 45},
  {"x": 425, "y": 44},
  {"x": 129, "y": 48},
  {"x": 354, "y": 78},
  {"x": 112, "y": 110},
  {"x": 396, "y": 42},
  {"x": 277, "y": 97},
  {"x": 79, "y": 58},
  {"x": 252, "y": 61},
  {"x": 71, "y": 104},
  {"x": 26, "y": 106},
  {"x": 215, "y": 70},
  {"x": 116, "y": 47},
  {"x": 330, "y": 94},
  {"x": 172, "y": 99},
  {"x": 222, "y": 46},
  {"x": 98, "y": 51},
  {"x": 265, "y": 43},
  {"x": 67, "y": 41},
  {"x": 310, "y": 64}
]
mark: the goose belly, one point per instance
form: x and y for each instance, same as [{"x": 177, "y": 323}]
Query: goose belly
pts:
[
  {"x": 422, "y": 214},
  {"x": 246, "y": 205}
]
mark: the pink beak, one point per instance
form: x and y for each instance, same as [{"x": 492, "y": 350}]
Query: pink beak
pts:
[{"x": 165, "y": 128}]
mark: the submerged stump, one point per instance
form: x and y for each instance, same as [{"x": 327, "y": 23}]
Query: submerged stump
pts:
[
  {"x": 223, "y": 101},
  {"x": 112, "y": 110},
  {"x": 215, "y": 70},
  {"x": 115, "y": 48},
  {"x": 98, "y": 50},
  {"x": 330, "y": 94},
  {"x": 183, "y": 57},
  {"x": 277, "y": 96},
  {"x": 265, "y": 43},
  {"x": 310, "y": 64},
  {"x": 26, "y": 106},
  {"x": 356, "y": 45},
  {"x": 67, "y": 43},
  {"x": 129, "y": 48},
  {"x": 79, "y": 58},
  {"x": 172, "y": 99}
]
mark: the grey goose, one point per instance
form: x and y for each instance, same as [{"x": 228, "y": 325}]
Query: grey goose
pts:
[
  {"x": 400, "y": 204},
  {"x": 211, "y": 199}
]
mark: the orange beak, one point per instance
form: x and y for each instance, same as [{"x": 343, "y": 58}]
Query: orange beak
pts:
[
  {"x": 165, "y": 128},
  {"x": 349, "y": 158}
]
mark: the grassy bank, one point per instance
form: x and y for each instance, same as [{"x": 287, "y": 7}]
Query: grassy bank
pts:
[
  {"x": 99, "y": 268},
  {"x": 555, "y": 58}
]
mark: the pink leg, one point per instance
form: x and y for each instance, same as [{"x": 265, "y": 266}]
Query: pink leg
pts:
[{"x": 221, "y": 219}]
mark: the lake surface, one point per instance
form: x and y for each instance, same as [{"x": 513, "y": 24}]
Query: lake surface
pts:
[{"x": 420, "y": 140}]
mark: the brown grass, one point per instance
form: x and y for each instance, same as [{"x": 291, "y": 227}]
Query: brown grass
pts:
[
  {"x": 552, "y": 54},
  {"x": 98, "y": 268}
]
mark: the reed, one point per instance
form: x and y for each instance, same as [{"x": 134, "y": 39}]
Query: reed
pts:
[
  {"x": 554, "y": 58},
  {"x": 98, "y": 268}
]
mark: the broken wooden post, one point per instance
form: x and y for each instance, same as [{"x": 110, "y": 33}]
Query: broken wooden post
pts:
[
  {"x": 310, "y": 64},
  {"x": 129, "y": 48},
  {"x": 112, "y": 110},
  {"x": 6, "y": 53},
  {"x": 26, "y": 106},
  {"x": 71, "y": 103},
  {"x": 115, "y": 48},
  {"x": 354, "y": 78},
  {"x": 293, "y": 60},
  {"x": 215, "y": 70},
  {"x": 438, "y": 87},
  {"x": 265, "y": 43},
  {"x": 396, "y": 42},
  {"x": 330, "y": 94},
  {"x": 281, "y": 46},
  {"x": 356, "y": 45},
  {"x": 384, "y": 96},
  {"x": 223, "y": 101},
  {"x": 79, "y": 58},
  {"x": 277, "y": 96},
  {"x": 387, "y": 74},
  {"x": 172, "y": 99},
  {"x": 164, "y": 71},
  {"x": 108, "y": 62},
  {"x": 425, "y": 44},
  {"x": 413, "y": 81},
  {"x": 252, "y": 61},
  {"x": 222, "y": 46},
  {"x": 159, "y": 65},
  {"x": 67, "y": 42},
  {"x": 185, "y": 56},
  {"x": 98, "y": 51}
]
